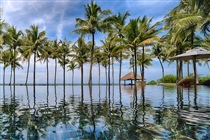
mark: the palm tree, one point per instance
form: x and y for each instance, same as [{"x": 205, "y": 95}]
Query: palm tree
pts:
[
  {"x": 119, "y": 24},
  {"x": 54, "y": 55},
  {"x": 105, "y": 63},
  {"x": 14, "y": 41},
  {"x": 98, "y": 59},
  {"x": 36, "y": 40},
  {"x": 147, "y": 60},
  {"x": 158, "y": 52},
  {"x": 95, "y": 20},
  {"x": 112, "y": 49},
  {"x": 139, "y": 32},
  {"x": 3, "y": 30},
  {"x": 72, "y": 66},
  {"x": 63, "y": 53},
  {"x": 81, "y": 54},
  {"x": 45, "y": 54},
  {"x": 185, "y": 18},
  {"x": 5, "y": 59},
  {"x": 26, "y": 53}
]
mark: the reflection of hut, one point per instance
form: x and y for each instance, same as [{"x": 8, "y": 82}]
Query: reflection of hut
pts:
[
  {"x": 130, "y": 89},
  {"x": 130, "y": 76}
]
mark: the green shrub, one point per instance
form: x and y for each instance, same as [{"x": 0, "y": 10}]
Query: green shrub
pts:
[
  {"x": 152, "y": 83},
  {"x": 203, "y": 79},
  {"x": 170, "y": 78}
]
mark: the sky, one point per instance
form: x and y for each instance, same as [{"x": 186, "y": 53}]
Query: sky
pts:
[{"x": 57, "y": 17}]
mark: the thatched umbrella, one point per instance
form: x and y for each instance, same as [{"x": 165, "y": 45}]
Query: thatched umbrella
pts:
[{"x": 130, "y": 76}]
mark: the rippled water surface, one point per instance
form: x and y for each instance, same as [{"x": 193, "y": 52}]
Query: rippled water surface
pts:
[{"x": 101, "y": 112}]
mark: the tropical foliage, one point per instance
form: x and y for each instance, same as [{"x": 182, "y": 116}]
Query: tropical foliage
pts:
[{"x": 137, "y": 40}]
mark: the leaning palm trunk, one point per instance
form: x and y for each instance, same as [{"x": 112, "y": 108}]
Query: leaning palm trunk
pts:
[
  {"x": 27, "y": 72},
  {"x": 162, "y": 69}
]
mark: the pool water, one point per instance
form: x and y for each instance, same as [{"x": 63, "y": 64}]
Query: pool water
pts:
[{"x": 102, "y": 112}]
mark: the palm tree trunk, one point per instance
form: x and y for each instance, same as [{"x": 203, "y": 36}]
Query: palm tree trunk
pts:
[
  {"x": 120, "y": 70},
  {"x": 106, "y": 73},
  {"x": 112, "y": 70},
  {"x": 55, "y": 71},
  {"x": 82, "y": 74},
  {"x": 10, "y": 75},
  {"x": 47, "y": 72},
  {"x": 72, "y": 77},
  {"x": 135, "y": 66},
  {"x": 162, "y": 69},
  {"x": 188, "y": 69},
  {"x": 27, "y": 72},
  {"x": 64, "y": 73},
  {"x": 91, "y": 60},
  {"x": 177, "y": 71},
  {"x": 99, "y": 74},
  {"x": 4, "y": 76},
  {"x": 109, "y": 72},
  {"x": 142, "y": 75},
  {"x": 14, "y": 69},
  {"x": 34, "y": 68}
]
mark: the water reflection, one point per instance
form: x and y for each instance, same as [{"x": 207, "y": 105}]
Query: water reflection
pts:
[{"x": 95, "y": 112}]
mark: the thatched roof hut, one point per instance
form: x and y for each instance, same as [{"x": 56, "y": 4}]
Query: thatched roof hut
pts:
[{"x": 130, "y": 76}]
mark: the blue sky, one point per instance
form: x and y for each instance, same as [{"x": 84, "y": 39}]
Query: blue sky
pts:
[{"x": 57, "y": 17}]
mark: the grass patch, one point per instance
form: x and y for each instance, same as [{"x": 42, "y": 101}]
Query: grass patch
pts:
[{"x": 169, "y": 84}]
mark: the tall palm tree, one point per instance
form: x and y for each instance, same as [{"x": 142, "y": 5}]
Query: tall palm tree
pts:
[
  {"x": 119, "y": 23},
  {"x": 45, "y": 54},
  {"x": 112, "y": 49},
  {"x": 54, "y": 55},
  {"x": 14, "y": 41},
  {"x": 158, "y": 52},
  {"x": 80, "y": 54},
  {"x": 36, "y": 40},
  {"x": 96, "y": 19},
  {"x": 140, "y": 32},
  {"x": 25, "y": 55},
  {"x": 98, "y": 59},
  {"x": 63, "y": 53},
  {"x": 3, "y": 30},
  {"x": 5, "y": 59}
]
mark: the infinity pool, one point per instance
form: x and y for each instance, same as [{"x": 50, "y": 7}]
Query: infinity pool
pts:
[{"x": 102, "y": 112}]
